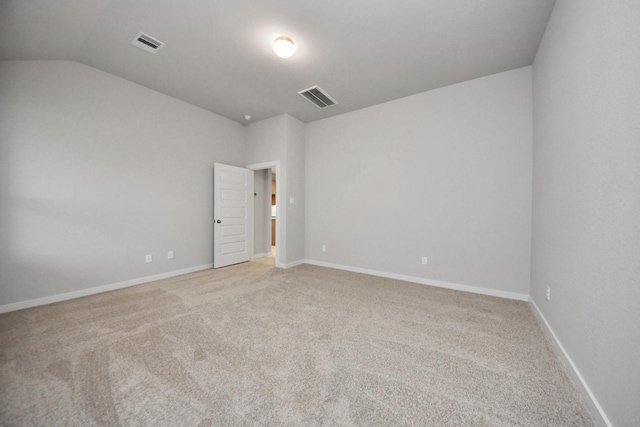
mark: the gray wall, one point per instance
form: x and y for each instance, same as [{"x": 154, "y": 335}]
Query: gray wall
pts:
[
  {"x": 281, "y": 138},
  {"x": 445, "y": 173},
  {"x": 586, "y": 195},
  {"x": 266, "y": 142},
  {"x": 96, "y": 172},
  {"x": 295, "y": 137},
  {"x": 262, "y": 212}
]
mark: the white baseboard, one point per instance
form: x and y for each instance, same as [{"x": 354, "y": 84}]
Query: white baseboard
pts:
[
  {"x": 294, "y": 263},
  {"x": 591, "y": 400},
  {"x": 98, "y": 289},
  {"x": 264, "y": 255},
  {"x": 422, "y": 281}
]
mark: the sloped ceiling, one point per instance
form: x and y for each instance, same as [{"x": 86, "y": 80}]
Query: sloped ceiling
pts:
[{"x": 218, "y": 53}]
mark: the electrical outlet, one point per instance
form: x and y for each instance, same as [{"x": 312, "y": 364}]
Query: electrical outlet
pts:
[
  {"x": 170, "y": 255},
  {"x": 548, "y": 293},
  {"x": 424, "y": 260},
  {"x": 148, "y": 258},
  {"x": 324, "y": 248}
]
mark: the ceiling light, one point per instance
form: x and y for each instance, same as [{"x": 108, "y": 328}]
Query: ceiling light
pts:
[{"x": 284, "y": 47}]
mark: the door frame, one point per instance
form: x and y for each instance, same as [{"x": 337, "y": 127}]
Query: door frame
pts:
[{"x": 281, "y": 216}]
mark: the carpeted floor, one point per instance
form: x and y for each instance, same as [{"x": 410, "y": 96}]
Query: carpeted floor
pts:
[{"x": 255, "y": 345}]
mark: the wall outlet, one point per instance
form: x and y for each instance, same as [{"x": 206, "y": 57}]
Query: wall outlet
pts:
[
  {"x": 548, "y": 293},
  {"x": 424, "y": 260},
  {"x": 148, "y": 258},
  {"x": 170, "y": 255},
  {"x": 324, "y": 248},
  {"x": 292, "y": 200}
]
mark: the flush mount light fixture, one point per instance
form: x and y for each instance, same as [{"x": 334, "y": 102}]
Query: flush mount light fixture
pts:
[{"x": 283, "y": 47}]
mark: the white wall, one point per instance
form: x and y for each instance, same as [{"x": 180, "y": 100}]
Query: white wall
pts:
[
  {"x": 96, "y": 172},
  {"x": 445, "y": 173},
  {"x": 586, "y": 195}
]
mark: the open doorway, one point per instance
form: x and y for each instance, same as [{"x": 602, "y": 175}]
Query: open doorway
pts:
[
  {"x": 269, "y": 220},
  {"x": 273, "y": 211},
  {"x": 262, "y": 239}
]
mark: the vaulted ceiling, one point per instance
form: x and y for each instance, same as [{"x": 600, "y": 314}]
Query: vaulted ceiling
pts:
[{"x": 218, "y": 53}]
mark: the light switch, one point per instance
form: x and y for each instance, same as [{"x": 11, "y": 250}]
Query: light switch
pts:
[{"x": 291, "y": 200}]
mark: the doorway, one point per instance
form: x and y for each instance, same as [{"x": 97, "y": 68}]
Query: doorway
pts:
[
  {"x": 273, "y": 210},
  {"x": 269, "y": 218}
]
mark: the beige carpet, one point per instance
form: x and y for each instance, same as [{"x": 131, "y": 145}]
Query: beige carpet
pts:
[{"x": 255, "y": 345}]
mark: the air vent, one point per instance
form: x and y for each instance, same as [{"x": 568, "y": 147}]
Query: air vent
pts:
[
  {"x": 318, "y": 97},
  {"x": 146, "y": 42}
]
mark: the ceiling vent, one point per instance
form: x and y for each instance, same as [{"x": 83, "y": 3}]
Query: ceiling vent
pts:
[
  {"x": 318, "y": 97},
  {"x": 146, "y": 42}
]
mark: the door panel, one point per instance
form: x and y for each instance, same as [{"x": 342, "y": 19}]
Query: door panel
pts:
[{"x": 233, "y": 211}]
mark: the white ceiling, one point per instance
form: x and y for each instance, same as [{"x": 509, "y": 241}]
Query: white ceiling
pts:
[{"x": 218, "y": 54}]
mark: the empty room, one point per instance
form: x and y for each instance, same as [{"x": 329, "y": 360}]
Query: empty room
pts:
[{"x": 304, "y": 213}]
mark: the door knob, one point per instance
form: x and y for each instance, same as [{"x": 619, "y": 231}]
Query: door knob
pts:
[{"x": 218, "y": 221}]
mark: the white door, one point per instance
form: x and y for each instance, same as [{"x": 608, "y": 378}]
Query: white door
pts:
[{"x": 233, "y": 215}]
